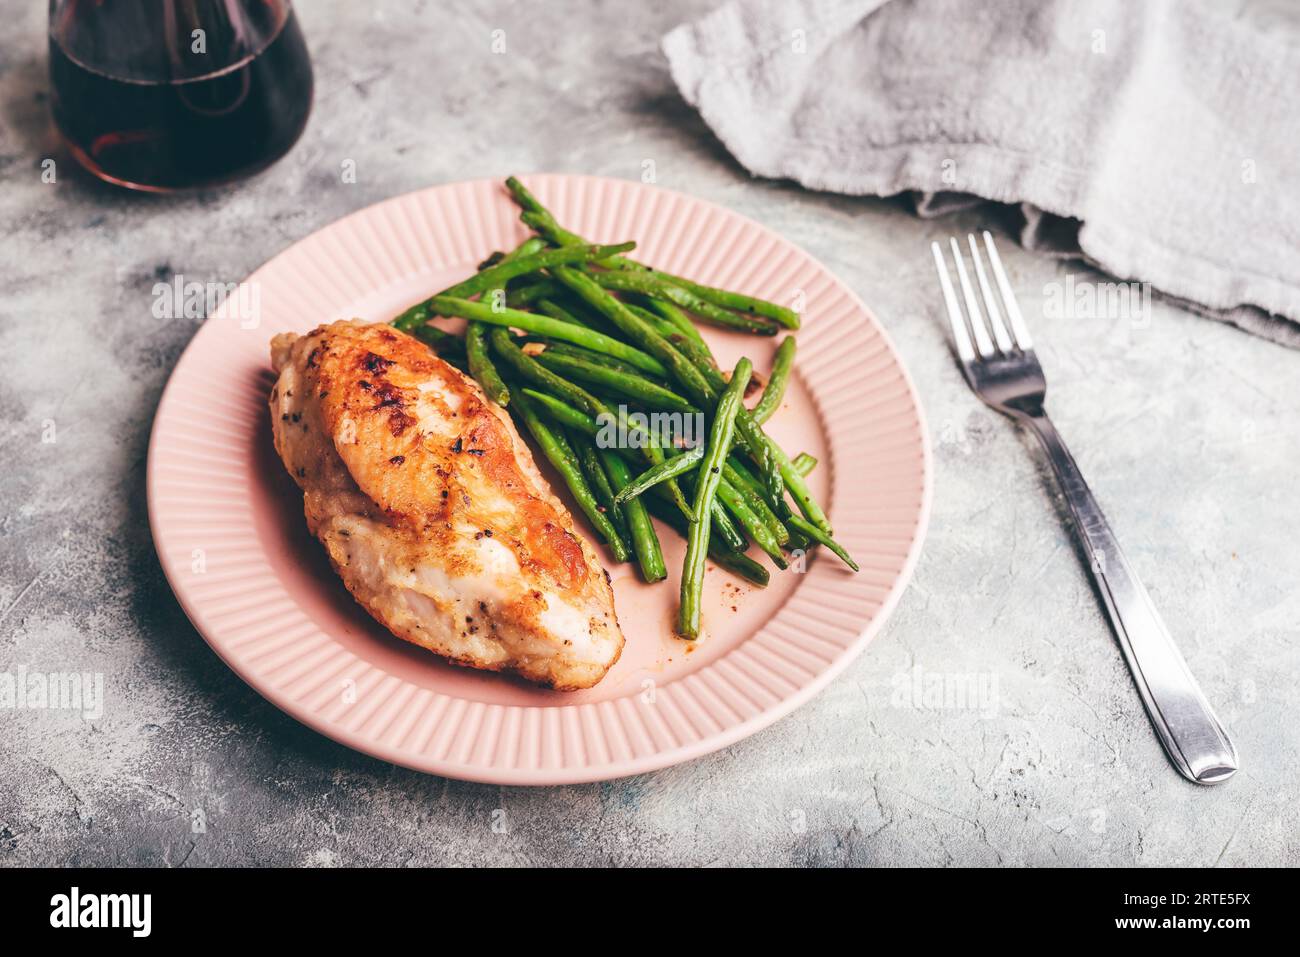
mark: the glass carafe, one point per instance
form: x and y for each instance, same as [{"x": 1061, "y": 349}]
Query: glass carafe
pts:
[{"x": 163, "y": 95}]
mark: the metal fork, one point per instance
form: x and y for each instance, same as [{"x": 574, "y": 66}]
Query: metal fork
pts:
[{"x": 1004, "y": 372}]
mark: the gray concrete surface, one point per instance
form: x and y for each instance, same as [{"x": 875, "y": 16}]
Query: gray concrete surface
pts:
[{"x": 1187, "y": 429}]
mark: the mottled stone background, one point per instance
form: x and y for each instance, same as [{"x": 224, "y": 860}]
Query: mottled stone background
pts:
[{"x": 1186, "y": 428}]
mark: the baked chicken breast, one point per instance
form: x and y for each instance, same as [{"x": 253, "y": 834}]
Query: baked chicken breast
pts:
[{"x": 432, "y": 509}]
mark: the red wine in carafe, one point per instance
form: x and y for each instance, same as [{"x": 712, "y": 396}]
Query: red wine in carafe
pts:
[{"x": 170, "y": 95}]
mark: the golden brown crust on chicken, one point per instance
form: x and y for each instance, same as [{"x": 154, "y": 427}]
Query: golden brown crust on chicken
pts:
[{"x": 433, "y": 511}]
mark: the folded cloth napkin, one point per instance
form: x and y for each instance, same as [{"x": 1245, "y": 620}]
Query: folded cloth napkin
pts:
[{"x": 1160, "y": 140}]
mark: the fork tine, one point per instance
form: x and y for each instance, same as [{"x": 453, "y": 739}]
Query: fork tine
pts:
[
  {"x": 995, "y": 314},
  {"x": 1018, "y": 327},
  {"x": 965, "y": 351},
  {"x": 982, "y": 340}
]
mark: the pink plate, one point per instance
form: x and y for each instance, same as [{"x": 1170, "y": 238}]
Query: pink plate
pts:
[{"x": 229, "y": 529}]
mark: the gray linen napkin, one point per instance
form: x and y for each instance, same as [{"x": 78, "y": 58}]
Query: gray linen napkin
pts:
[{"x": 1158, "y": 140}]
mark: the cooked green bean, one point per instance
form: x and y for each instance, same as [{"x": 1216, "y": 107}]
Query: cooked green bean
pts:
[
  {"x": 690, "y": 346},
  {"x": 637, "y": 330},
  {"x": 496, "y": 276},
  {"x": 553, "y": 309},
  {"x": 804, "y": 463},
  {"x": 528, "y": 202},
  {"x": 577, "y": 419},
  {"x": 668, "y": 311},
  {"x": 655, "y": 284},
  {"x": 698, "y": 353},
  {"x": 535, "y": 372},
  {"x": 546, "y": 326},
  {"x": 440, "y": 341},
  {"x": 480, "y": 363},
  {"x": 677, "y": 465},
  {"x": 818, "y": 535},
  {"x": 631, "y": 386},
  {"x": 743, "y": 478},
  {"x": 540, "y": 218},
  {"x": 775, "y": 467},
  {"x": 724, "y": 298},
  {"x": 738, "y": 563},
  {"x": 724, "y": 525},
  {"x": 706, "y": 487},
  {"x": 764, "y": 452},
  {"x": 799, "y": 490},
  {"x": 476, "y": 333},
  {"x": 564, "y": 413},
  {"x": 528, "y": 368},
  {"x": 589, "y": 460},
  {"x": 750, "y": 521},
  {"x": 699, "y": 386},
  {"x": 645, "y": 542},
  {"x": 753, "y": 494},
  {"x": 584, "y": 313},
  {"x": 578, "y": 352},
  {"x": 525, "y": 294},
  {"x": 510, "y": 267},
  {"x": 771, "y": 398},
  {"x": 565, "y": 461},
  {"x": 533, "y": 244},
  {"x": 733, "y": 499},
  {"x": 586, "y": 417},
  {"x": 791, "y": 477}
]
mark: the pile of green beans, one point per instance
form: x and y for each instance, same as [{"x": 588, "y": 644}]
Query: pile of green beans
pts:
[{"x": 581, "y": 342}]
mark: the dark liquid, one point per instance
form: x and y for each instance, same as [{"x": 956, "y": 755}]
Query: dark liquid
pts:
[{"x": 167, "y": 133}]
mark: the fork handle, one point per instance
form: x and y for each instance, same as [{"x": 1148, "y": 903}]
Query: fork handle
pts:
[{"x": 1191, "y": 734}]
